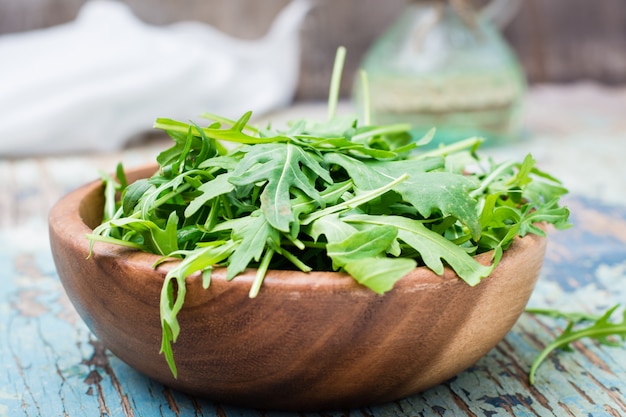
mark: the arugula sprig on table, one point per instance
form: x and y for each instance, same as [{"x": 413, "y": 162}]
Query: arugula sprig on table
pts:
[
  {"x": 331, "y": 195},
  {"x": 580, "y": 326}
]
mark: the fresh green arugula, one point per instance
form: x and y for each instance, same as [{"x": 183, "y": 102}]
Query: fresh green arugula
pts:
[
  {"x": 336, "y": 195},
  {"x": 600, "y": 329}
]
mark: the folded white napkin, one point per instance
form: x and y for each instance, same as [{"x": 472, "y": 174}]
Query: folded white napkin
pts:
[{"x": 94, "y": 83}]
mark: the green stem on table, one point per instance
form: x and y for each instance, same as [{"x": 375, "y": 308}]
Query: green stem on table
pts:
[{"x": 564, "y": 341}]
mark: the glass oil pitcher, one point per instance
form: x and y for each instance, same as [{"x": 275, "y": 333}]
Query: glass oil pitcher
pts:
[{"x": 445, "y": 65}]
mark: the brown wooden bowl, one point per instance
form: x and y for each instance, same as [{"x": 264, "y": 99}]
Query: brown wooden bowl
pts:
[{"x": 309, "y": 341}]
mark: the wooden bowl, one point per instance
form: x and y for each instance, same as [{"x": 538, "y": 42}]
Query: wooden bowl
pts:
[{"x": 309, "y": 341}]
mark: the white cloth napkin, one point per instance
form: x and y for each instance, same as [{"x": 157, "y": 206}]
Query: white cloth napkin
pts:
[{"x": 94, "y": 83}]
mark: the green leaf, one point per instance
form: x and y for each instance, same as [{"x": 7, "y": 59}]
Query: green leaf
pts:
[
  {"x": 426, "y": 189},
  {"x": 353, "y": 202},
  {"x": 155, "y": 197},
  {"x": 431, "y": 246},
  {"x": 133, "y": 193},
  {"x": 345, "y": 145},
  {"x": 601, "y": 330},
  {"x": 242, "y": 121},
  {"x": 174, "y": 290},
  {"x": 234, "y": 134},
  {"x": 363, "y": 244},
  {"x": 379, "y": 273},
  {"x": 303, "y": 205},
  {"x": 251, "y": 236},
  {"x": 200, "y": 258},
  {"x": 111, "y": 187},
  {"x": 155, "y": 240},
  {"x": 334, "y": 229},
  {"x": 369, "y": 134},
  {"x": 283, "y": 167},
  {"x": 549, "y": 213},
  {"x": 210, "y": 189},
  {"x": 522, "y": 178},
  {"x": 206, "y": 277},
  {"x": 572, "y": 316}
]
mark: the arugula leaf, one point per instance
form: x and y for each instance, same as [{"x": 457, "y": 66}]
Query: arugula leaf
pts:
[
  {"x": 426, "y": 189},
  {"x": 353, "y": 202},
  {"x": 362, "y": 254},
  {"x": 345, "y": 145},
  {"x": 252, "y": 238},
  {"x": 334, "y": 229},
  {"x": 379, "y": 273},
  {"x": 600, "y": 330},
  {"x": 362, "y": 244},
  {"x": 153, "y": 238},
  {"x": 283, "y": 167},
  {"x": 174, "y": 290},
  {"x": 210, "y": 189},
  {"x": 572, "y": 316},
  {"x": 111, "y": 187},
  {"x": 431, "y": 246},
  {"x": 133, "y": 194},
  {"x": 235, "y": 134}
]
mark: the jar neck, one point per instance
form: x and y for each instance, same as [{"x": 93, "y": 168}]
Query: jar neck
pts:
[{"x": 462, "y": 8}]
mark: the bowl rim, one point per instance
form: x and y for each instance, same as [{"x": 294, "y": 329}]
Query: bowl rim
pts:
[{"x": 67, "y": 223}]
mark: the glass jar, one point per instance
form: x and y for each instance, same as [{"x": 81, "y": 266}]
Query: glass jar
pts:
[{"x": 446, "y": 66}]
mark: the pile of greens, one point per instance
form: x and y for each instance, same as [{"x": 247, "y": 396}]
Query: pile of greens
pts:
[{"x": 337, "y": 195}]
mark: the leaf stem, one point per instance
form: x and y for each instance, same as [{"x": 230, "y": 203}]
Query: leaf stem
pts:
[
  {"x": 164, "y": 199},
  {"x": 575, "y": 317},
  {"x": 311, "y": 245},
  {"x": 295, "y": 241},
  {"x": 398, "y": 128},
  {"x": 452, "y": 148},
  {"x": 260, "y": 273},
  {"x": 566, "y": 340},
  {"x": 217, "y": 134},
  {"x": 114, "y": 241},
  {"x": 294, "y": 260},
  {"x": 353, "y": 202},
  {"x": 335, "y": 82},
  {"x": 226, "y": 120},
  {"x": 495, "y": 174},
  {"x": 600, "y": 330},
  {"x": 365, "y": 90}
]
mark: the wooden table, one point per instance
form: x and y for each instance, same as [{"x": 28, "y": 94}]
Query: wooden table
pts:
[{"x": 51, "y": 365}]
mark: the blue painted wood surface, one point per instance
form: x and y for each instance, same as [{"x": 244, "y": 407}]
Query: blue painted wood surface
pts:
[{"x": 51, "y": 365}]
